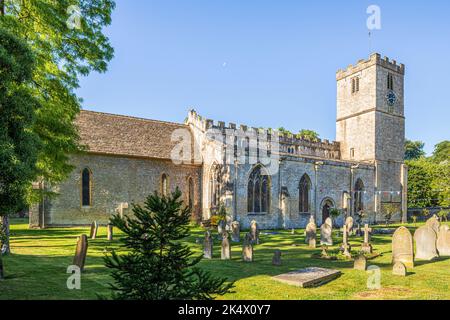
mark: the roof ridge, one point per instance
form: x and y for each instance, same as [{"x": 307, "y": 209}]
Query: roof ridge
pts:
[{"x": 132, "y": 117}]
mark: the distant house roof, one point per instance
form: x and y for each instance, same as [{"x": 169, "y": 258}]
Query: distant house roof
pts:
[{"x": 112, "y": 134}]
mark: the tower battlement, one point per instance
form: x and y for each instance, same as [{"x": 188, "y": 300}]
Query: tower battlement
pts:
[{"x": 374, "y": 59}]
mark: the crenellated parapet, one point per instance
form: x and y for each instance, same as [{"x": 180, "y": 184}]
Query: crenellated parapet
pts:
[
  {"x": 373, "y": 60},
  {"x": 289, "y": 144}
]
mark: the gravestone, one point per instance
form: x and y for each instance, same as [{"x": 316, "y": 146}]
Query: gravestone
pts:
[
  {"x": 311, "y": 231},
  {"x": 443, "y": 241},
  {"x": 81, "y": 252},
  {"x": 326, "y": 232},
  {"x": 235, "y": 231},
  {"x": 366, "y": 246},
  {"x": 309, "y": 277},
  {"x": 425, "y": 238},
  {"x": 247, "y": 248},
  {"x": 208, "y": 245},
  {"x": 349, "y": 223},
  {"x": 94, "y": 229},
  {"x": 402, "y": 247},
  {"x": 433, "y": 223},
  {"x": 345, "y": 247},
  {"x": 226, "y": 247},
  {"x": 276, "y": 260},
  {"x": 221, "y": 227},
  {"x": 324, "y": 252},
  {"x": 254, "y": 231},
  {"x": 109, "y": 229},
  {"x": 360, "y": 263},
  {"x": 292, "y": 231},
  {"x": 312, "y": 243},
  {"x": 399, "y": 269}
]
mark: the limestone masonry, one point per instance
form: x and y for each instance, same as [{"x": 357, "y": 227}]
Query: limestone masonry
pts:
[{"x": 279, "y": 180}]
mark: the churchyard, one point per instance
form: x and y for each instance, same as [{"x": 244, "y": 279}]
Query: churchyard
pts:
[{"x": 37, "y": 268}]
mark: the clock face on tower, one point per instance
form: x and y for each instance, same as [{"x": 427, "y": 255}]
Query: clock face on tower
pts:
[{"x": 391, "y": 98}]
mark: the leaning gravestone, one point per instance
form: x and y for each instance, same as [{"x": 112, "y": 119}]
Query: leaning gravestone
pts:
[
  {"x": 276, "y": 260},
  {"x": 81, "y": 252},
  {"x": 208, "y": 246},
  {"x": 226, "y": 247},
  {"x": 311, "y": 231},
  {"x": 109, "y": 232},
  {"x": 425, "y": 238},
  {"x": 433, "y": 223},
  {"x": 247, "y": 248},
  {"x": 309, "y": 277},
  {"x": 443, "y": 241},
  {"x": 326, "y": 231},
  {"x": 360, "y": 263},
  {"x": 235, "y": 231},
  {"x": 94, "y": 229},
  {"x": 349, "y": 224},
  {"x": 402, "y": 247},
  {"x": 399, "y": 269},
  {"x": 254, "y": 231}
]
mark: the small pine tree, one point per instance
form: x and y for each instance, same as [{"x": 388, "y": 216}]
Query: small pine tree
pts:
[{"x": 159, "y": 266}]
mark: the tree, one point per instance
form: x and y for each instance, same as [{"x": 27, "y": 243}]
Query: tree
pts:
[
  {"x": 420, "y": 179},
  {"x": 389, "y": 209},
  {"x": 18, "y": 142},
  {"x": 159, "y": 266},
  {"x": 414, "y": 150},
  {"x": 63, "y": 52},
  {"x": 308, "y": 134},
  {"x": 441, "y": 152}
]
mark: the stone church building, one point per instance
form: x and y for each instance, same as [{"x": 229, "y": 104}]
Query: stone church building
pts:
[{"x": 223, "y": 165}]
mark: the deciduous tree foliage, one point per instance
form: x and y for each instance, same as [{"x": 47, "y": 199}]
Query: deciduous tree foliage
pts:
[
  {"x": 414, "y": 150},
  {"x": 18, "y": 141},
  {"x": 159, "y": 266}
]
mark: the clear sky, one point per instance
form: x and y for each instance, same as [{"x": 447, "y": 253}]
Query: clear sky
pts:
[{"x": 270, "y": 63}]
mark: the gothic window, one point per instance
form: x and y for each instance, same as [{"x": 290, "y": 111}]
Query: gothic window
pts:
[
  {"x": 358, "y": 196},
  {"x": 215, "y": 182},
  {"x": 86, "y": 188},
  {"x": 390, "y": 81},
  {"x": 304, "y": 192},
  {"x": 164, "y": 185},
  {"x": 258, "y": 192},
  {"x": 355, "y": 84},
  {"x": 191, "y": 193}
]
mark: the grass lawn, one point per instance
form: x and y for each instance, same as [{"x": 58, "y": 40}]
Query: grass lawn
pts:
[{"x": 37, "y": 268}]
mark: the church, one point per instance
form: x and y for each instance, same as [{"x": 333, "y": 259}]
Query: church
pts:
[{"x": 276, "y": 178}]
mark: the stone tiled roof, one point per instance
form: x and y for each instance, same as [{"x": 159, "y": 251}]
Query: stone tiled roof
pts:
[{"x": 112, "y": 134}]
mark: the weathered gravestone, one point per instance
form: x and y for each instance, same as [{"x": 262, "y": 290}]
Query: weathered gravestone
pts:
[
  {"x": 399, "y": 269},
  {"x": 349, "y": 223},
  {"x": 247, "y": 248},
  {"x": 443, "y": 241},
  {"x": 433, "y": 223},
  {"x": 402, "y": 247},
  {"x": 221, "y": 227},
  {"x": 226, "y": 247},
  {"x": 345, "y": 247},
  {"x": 312, "y": 243},
  {"x": 311, "y": 231},
  {"x": 326, "y": 232},
  {"x": 425, "y": 238},
  {"x": 254, "y": 231},
  {"x": 366, "y": 246},
  {"x": 360, "y": 263},
  {"x": 81, "y": 252},
  {"x": 309, "y": 277},
  {"x": 235, "y": 231},
  {"x": 109, "y": 232},
  {"x": 94, "y": 229},
  {"x": 208, "y": 245},
  {"x": 276, "y": 260}
]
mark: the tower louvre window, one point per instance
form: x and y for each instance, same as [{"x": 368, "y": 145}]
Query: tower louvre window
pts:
[
  {"x": 390, "y": 81},
  {"x": 355, "y": 84}
]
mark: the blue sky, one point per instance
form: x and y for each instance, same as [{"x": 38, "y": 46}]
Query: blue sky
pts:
[{"x": 269, "y": 63}]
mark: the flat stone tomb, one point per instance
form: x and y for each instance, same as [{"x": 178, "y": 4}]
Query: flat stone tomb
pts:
[{"x": 309, "y": 277}]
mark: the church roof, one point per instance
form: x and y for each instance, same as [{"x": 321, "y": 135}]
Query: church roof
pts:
[{"x": 111, "y": 134}]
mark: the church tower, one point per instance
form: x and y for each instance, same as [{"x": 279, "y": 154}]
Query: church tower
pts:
[{"x": 370, "y": 124}]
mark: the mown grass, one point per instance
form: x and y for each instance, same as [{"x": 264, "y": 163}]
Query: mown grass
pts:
[{"x": 37, "y": 268}]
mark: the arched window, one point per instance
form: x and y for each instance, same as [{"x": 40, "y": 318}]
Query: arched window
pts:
[
  {"x": 86, "y": 188},
  {"x": 191, "y": 193},
  {"x": 164, "y": 185},
  {"x": 215, "y": 182},
  {"x": 304, "y": 191},
  {"x": 358, "y": 196},
  {"x": 258, "y": 192}
]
